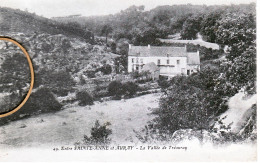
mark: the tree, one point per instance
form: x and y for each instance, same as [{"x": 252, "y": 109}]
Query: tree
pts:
[
  {"x": 181, "y": 108},
  {"x": 191, "y": 27},
  {"x": 238, "y": 31},
  {"x": 192, "y": 102},
  {"x": 208, "y": 26},
  {"x": 106, "y": 29}
]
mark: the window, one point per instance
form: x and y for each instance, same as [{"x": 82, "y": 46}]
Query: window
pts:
[
  {"x": 168, "y": 61},
  {"x": 133, "y": 68},
  {"x": 136, "y": 60},
  {"x": 188, "y": 72},
  {"x": 141, "y": 60},
  {"x": 178, "y": 62},
  {"x": 132, "y": 60},
  {"x": 158, "y": 62}
]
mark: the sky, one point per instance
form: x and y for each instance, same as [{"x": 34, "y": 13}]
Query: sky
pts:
[{"x": 55, "y": 8}]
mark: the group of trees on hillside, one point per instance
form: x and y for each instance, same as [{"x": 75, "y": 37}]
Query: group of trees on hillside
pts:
[
  {"x": 194, "y": 101},
  {"x": 142, "y": 27}
]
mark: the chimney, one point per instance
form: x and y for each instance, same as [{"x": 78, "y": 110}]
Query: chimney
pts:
[
  {"x": 130, "y": 46},
  {"x": 149, "y": 46}
]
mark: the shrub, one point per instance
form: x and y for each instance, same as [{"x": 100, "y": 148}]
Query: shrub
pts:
[
  {"x": 60, "y": 83},
  {"x": 130, "y": 88},
  {"x": 163, "y": 83},
  {"x": 100, "y": 93},
  {"x": 99, "y": 134},
  {"x": 115, "y": 88},
  {"x": 42, "y": 101},
  {"x": 84, "y": 98},
  {"x": 106, "y": 69}
]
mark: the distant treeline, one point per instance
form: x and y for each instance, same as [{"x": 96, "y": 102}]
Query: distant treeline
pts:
[{"x": 142, "y": 27}]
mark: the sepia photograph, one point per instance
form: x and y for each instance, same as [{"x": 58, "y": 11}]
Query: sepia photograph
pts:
[{"x": 128, "y": 80}]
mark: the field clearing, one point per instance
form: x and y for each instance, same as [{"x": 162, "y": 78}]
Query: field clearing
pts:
[{"x": 69, "y": 125}]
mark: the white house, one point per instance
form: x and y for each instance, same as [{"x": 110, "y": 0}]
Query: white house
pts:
[{"x": 171, "y": 60}]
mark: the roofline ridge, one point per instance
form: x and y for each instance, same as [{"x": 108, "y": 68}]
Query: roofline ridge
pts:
[{"x": 161, "y": 46}]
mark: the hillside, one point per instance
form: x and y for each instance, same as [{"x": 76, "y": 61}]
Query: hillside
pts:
[
  {"x": 18, "y": 21},
  {"x": 143, "y": 27},
  {"x": 59, "y": 64}
]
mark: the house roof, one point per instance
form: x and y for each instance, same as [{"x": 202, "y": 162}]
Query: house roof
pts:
[{"x": 145, "y": 51}]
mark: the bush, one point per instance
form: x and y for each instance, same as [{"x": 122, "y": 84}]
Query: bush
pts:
[
  {"x": 42, "y": 101},
  {"x": 163, "y": 83},
  {"x": 130, "y": 88},
  {"x": 106, "y": 69},
  {"x": 84, "y": 98},
  {"x": 100, "y": 93},
  {"x": 60, "y": 83},
  {"x": 99, "y": 134},
  {"x": 115, "y": 88}
]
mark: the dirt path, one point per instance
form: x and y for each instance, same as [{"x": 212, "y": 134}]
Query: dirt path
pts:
[{"x": 69, "y": 125}]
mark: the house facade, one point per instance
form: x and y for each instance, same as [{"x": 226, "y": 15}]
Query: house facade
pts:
[{"x": 171, "y": 61}]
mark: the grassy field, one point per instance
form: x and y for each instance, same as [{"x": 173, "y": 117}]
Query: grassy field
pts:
[{"x": 69, "y": 125}]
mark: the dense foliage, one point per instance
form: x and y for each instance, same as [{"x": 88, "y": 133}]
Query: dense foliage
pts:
[
  {"x": 99, "y": 134},
  {"x": 84, "y": 98},
  {"x": 192, "y": 102},
  {"x": 60, "y": 83},
  {"x": 117, "y": 89},
  {"x": 142, "y": 27}
]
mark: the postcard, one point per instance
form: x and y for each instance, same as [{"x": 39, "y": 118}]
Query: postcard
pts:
[{"x": 128, "y": 80}]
